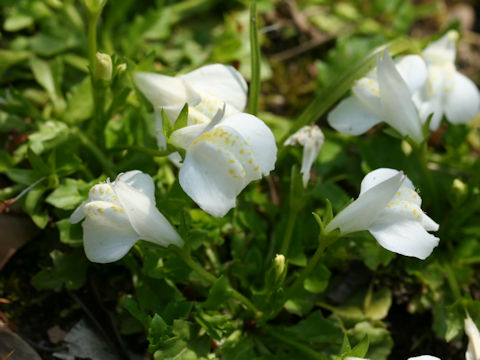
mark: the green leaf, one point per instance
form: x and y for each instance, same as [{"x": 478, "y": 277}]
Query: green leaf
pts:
[
  {"x": 219, "y": 293},
  {"x": 182, "y": 119},
  {"x": 69, "y": 270},
  {"x": 215, "y": 324},
  {"x": 379, "y": 305},
  {"x": 131, "y": 306},
  {"x": 318, "y": 279},
  {"x": 67, "y": 195},
  {"x": 43, "y": 74},
  {"x": 22, "y": 176},
  {"x": 380, "y": 342},
  {"x": 79, "y": 102},
  {"x": 315, "y": 329},
  {"x": 38, "y": 164},
  {"x": 167, "y": 124},
  {"x": 158, "y": 332},
  {"x": 361, "y": 349},
  {"x": 70, "y": 234}
]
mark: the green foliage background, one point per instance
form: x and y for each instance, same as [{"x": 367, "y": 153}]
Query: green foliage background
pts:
[{"x": 361, "y": 300}]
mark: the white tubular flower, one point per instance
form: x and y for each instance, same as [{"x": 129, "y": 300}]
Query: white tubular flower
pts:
[
  {"x": 119, "y": 214},
  {"x": 205, "y": 90},
  {"x": 446, "y": 91},
  {"x": 389, "y": 208},
  {"x": 424, "y": 357},
  {"x": 222, "y": 158},
  {"x": 473, "y": 350},
  {"x": 384, "y": 95},
  {"x": 311, "y": 138}
]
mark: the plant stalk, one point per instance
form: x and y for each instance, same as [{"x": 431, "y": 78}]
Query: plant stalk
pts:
[{"x": 255, "y": 60}]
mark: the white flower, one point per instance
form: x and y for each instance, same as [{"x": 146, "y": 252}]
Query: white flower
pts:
[
  {"x": 384, "y": 95},
  {"x": 389, "y": 208},
  {"x": 119, "y": 214},
  {"x": 473, "y": 350},
  {"x": 205, "y": 90},
  {"x": 424, "y": 357},
  {"x": 311, "y": 138},
  {"x": 446, "y": 91},
  {"x": 222, "y": 158}
]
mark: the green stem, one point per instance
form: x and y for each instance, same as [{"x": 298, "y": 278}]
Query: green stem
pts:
[
  {"x": 92, "y": 40},
  {"x": 421, "y": 154},
  {"x": 287, "y": 238},
  {"x": 312, "y": 263},
  {"x": 184, "y": 254},
  {"x": 255, "y": 60},
  {"x": 96, "y": 152},
  {"x": 295, "y": 344}
]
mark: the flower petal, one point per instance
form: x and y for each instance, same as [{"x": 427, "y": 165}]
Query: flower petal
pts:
[
  {"x": 258, "y": 136},
  {"x": 473, "y": 350},
  {"x": 443, "y": 50},
  {"x": 398, "y": 109},
  {"x": 162, "y": 90},
  {"x": 378, "y": 176},
  {"x": 367, "y": 91},
  {"x": 220, "y": 81},
  {"x": 463, "y": 102},
  {"x": 413, "y": 70},
  {"x": 185, "y": 136},
  {"x": 208, "y": 177},
  {"x": 360, "y": 214},
  {"x": 144, "y": 217},
  {"x": 424, "y": 357},
  {"x": 139, "y": 181},
  {"x": 78, "y": 215},
  {"x": 107, "y": 233},
  {"x": 350, "y": 116},
  {"x": 404, "y": 236}
]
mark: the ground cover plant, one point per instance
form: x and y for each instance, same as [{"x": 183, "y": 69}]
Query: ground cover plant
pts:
[{"x": 205, "y": 179}]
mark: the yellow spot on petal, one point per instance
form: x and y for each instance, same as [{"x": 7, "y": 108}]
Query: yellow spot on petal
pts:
[
  {"x": 250, "y": 161},
  {"x": 233, "y": 142},
  {"x": 241, "y": 151},
  {"x": 231, "y": 161},
  {"x": 101, "y": 191},
  {"x": 256, "y": 168},
  {"x": 231, "y": 171}
]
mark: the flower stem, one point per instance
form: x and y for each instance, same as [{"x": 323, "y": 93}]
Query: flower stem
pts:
[
  {"x": 96, "y": 152},
  {"x": 312, "y": 263},
  {"x": 184, "y": 254},
  {"x": 421, "y": 154},
  {"x": 295, "y": 344},
  {"x": 287, "y": 238},
  {"x": 92, "y": 40},
  {"x": 255, "y": 60}
]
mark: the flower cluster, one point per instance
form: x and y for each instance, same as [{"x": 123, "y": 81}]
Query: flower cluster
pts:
[{"x": 405, "y": 93}]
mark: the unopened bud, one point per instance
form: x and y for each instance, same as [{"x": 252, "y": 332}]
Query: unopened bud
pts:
[
  {"x": 276, "y": 273},
  {"x": 103, "y": 67},
  {"x": 459, "y": 190},
  {"x": 121, "y": 68},
  {"x": 95, "y": 6}
]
